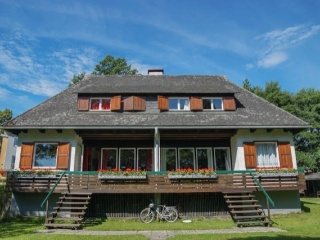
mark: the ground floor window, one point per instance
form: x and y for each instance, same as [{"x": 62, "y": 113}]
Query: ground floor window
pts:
[
  {"x": 127, "y": 158},
  {"x": 266, "y": 154},
  {"x": 222, "y": 159},
  {"x": 45, "y": 155},
  {"x": 145, "y": 159}
]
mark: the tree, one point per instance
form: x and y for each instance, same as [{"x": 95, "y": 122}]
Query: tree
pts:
[
  {"x": 113, "y": 66},
  {"x": 5, "y": 116},
  {"x": 77, "y": 78},
  {"x": 108, "y": 66}
]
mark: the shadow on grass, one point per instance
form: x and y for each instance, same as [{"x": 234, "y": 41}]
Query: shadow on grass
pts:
[{"x": 20, "y": 226}]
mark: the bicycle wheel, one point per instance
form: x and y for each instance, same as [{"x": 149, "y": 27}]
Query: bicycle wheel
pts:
[
  {"x": 170, "y": 214},
  {"x": 147, "y": 215}
]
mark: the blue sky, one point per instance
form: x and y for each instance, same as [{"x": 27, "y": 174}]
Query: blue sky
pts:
[{"x": 44, "y": 42}]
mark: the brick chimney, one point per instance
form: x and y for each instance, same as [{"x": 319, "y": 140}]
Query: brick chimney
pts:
[{"x": 155, "y": 72}]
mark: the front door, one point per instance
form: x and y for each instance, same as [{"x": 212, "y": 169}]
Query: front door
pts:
[{"x": 222, "y": 159}]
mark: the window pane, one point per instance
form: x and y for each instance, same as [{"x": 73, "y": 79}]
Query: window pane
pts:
[
  {"x": 45, "y": 155},
  {"x": 109, "y": 158},
  {"x": 145, "y": 159},
  {"x": 94, "y": 105},
  {"x": 203, "y": 157},
  {"x": 173, "y": 103},
  {"x": 266, "y": 154},
  {"x": 105, "y": 104},
  {"x": 206, "y": 103},
  {"x": 168, "y": 156},
  {"x": 221, "y": 156},
  {"x": 186, "y": 158},
  {"x": 126, "y": 159},
  {"x": 184, "y": 104},
  {"x": 217, "y": 103}
]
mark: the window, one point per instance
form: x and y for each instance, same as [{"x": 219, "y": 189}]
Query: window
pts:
[
  {"x": 145, "y": 159},
  {"x": 186, "y": 158},
  {"x": 127, "y": 158},
  {"x": 266, "y": 154},
  {"x": 179, "y": 104},
  {"x": 100, "y": 104},
  {"x": 212, "y": 103},
  {"x": 45, "y": 155},
  {"x": 109, "y": 158},
  {"x": 204, "y": 158},
  {"x": 168, "y": 159},
  {"x": 222, "y": 158}
]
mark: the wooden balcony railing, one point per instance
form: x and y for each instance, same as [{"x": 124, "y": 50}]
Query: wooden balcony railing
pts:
[{"x": 89, "y": 182}]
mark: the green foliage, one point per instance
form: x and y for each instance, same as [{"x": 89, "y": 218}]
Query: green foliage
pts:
[
  {"x": 77, "y": 78},
  {"x": 114, "y": 66},
  {"x": 305, "y": 104},
  {"x": 5, "y": 116}
]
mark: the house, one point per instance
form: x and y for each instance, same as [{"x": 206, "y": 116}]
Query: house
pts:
[{"x": 156, "y": 123}]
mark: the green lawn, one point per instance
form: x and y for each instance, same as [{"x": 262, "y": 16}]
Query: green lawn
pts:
[{"x": 298, "y": 226}]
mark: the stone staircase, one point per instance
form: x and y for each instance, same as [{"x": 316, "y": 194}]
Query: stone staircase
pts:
[
  {"x": 245, "y": 210},
  {"x": 69, "y": 211}
]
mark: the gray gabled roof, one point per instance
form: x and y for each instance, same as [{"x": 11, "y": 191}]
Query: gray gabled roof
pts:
[{"x": 60, "y": 111}]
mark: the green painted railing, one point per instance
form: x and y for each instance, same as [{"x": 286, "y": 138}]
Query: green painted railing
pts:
[
  {"x": 52, "y": 189},
  {"x": 262, "y": 189}
]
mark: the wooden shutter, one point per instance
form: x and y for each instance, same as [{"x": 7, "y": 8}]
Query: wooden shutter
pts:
[
  {"x": 250, "y": 155},
  {"x": 83, "y": 104},
  {"x": 229, "y": 104},
  {"x": 196, "y": 104},
  {"x": 116, "y": 103},
  {"x": 163, "y": 103},
  {"x": 63, "y": 155},
  {"x": 139, "y": 103},
  {"x": 26, "y": 156},
  {"x": 128, "y": 103},
  {"x": 285, "y": 156}
]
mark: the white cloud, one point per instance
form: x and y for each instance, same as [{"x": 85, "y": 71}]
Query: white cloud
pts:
[
  {"x": 4, "y": 93},
  {"x": 278, "y": 41},
  {"x": 272, "y": 59}
]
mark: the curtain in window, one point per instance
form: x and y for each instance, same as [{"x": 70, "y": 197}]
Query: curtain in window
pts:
[
  {"x": 95, "y": 104},
  {"x": 266, "y": 155},
  {"x": 105, "y": 104},
  {"x": 186, "y": 104}
]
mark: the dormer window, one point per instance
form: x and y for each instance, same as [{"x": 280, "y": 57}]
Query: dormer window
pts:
[
  {"x": 212, "y": 103},
  {"x": 100, "y": 104},
  {"x": 176, "y": 103}
]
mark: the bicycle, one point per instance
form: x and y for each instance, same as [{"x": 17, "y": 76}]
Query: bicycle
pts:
[{"x": 163, "y": 212}]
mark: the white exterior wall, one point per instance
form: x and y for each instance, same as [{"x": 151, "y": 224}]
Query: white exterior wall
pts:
[
  {"x": 244, "y": 135},
  {"x": 53, "y": 136}
]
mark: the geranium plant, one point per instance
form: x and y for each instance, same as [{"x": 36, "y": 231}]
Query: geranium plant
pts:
[
  {"x": 190, "y": 171},
  {"x": 36, "y": 172},
  {"x": 117, "y": 172}
]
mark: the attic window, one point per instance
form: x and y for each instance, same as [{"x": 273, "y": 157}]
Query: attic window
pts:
[
  {"x": 100, "y": 104},
  {"x": 212, "y": 103},
  {"x": 176, "y": 103}
]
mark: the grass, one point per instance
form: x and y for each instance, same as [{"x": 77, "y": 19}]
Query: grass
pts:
[{"x": 302, "y": 226}]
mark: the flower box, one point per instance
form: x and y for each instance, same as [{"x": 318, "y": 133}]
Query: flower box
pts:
[
  {"x": 35, "y": 176},
  {"x": 288, "y": 174},
  {"x": 191, "y": 176},
  {"x": 121, "y": 177}
]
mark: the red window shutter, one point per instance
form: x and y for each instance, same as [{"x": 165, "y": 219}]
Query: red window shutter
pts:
[
  {"x": 285, "y": 156},
  {"x": 83, "y": 104},
  {"x": 63, "y": 155},
  {"x": 229, "y": 104},
  {"x": 116, "y": 103},
  {"x": 139, "y": 103},
  {"x": 250, "y": 155},
  {"x": 163, "y": 103},
  {"x": 196, "y": 104},
  {"x": 26, "y": 156}
]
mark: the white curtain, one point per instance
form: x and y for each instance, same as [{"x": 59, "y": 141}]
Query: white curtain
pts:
[
  {"x": 266, "y": 154},
  {"x": 186, "y": 105}
]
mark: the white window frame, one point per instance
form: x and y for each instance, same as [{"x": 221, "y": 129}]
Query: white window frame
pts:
[
  {"x": 210, "y": 161},
  {"x": 100, "y": 104},
  {"x": 117, "y": 159},
  {"x": 212, "y": 104},
  {"x": 152, "y": 157},
  {"x": 178, "y": 103},
  {"x": 193, "y": 149},
  {"x": 228, "y": 156},
  {"x": 277, "y": 152},
  {"x": 134, "y": 157},
  {"x": 34, "y": 155}
]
